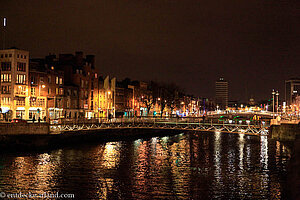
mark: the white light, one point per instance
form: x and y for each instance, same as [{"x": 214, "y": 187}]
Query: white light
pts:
[{"x": 4, "y": 21}]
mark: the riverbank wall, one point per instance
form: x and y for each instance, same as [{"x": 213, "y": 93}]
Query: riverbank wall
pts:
[
  {"x": 293, "y": 176},
  {"x": 285, "y": 132},
  {"x": 24, "y": 129},
  {"x": 20, "y": 142}
]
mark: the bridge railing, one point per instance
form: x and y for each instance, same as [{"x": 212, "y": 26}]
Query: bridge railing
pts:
[{"x": 153, "y": 120}]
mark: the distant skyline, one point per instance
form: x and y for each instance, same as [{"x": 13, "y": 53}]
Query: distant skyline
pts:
[{"x": 254, "y": 45}]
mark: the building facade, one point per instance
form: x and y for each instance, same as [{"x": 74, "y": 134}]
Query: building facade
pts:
[
  {"x": 221, "y": 95},
  {"x": 292, "y": 90},
  {"x": 14, "y": 83}
]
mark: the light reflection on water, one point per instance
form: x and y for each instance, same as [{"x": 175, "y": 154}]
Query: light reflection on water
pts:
[{"x": 184, "y": 166}]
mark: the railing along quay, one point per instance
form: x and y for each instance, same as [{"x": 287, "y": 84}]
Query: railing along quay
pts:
[{"x": 158, "y": 123}]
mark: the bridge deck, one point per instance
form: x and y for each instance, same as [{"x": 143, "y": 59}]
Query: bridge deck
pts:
[{"x": 191, "y": 126}]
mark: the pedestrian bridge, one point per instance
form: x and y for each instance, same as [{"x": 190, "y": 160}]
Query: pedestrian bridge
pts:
[{"x": 250, "y": 129}]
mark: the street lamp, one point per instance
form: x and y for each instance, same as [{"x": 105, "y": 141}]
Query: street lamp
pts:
[
  {"x": 41, "y": 86},
  {"x": 273, "y": 93},
  {"x": 108, "y": 93},
  {"x": 38, "y": 104},
  {"x": 277, "y": 98}
]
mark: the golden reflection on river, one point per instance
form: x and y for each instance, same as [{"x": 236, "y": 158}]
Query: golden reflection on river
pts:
[{"x": 184, "y": 166}]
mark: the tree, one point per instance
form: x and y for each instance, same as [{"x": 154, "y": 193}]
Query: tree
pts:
[
  {"x": 148, "y": 102},
  {"x": 169, "y": 96}
]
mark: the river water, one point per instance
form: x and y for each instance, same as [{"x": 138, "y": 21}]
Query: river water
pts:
[{"x": 184, "y": 166}]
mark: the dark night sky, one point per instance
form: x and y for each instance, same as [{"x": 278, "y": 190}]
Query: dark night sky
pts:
[{"x": 253, "y": 44}]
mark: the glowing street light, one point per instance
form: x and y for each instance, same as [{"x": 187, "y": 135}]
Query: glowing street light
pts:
[
  {"x": 277, "y": 99},
  {"x": 273, "y": 93}
]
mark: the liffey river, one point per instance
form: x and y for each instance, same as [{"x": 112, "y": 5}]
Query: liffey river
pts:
[{"x": 184, "y": 166}]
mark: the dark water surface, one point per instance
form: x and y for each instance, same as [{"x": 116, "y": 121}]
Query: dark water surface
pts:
[{"x": 184, "y": 166}]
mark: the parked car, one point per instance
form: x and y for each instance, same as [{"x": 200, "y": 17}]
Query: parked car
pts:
[{"x": 22, "y": 121}]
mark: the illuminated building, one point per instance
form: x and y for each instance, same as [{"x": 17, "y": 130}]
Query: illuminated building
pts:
[
  {"x": 14, "y": 83},
  {"x": 221, "y": 93},
  {"x": 80, "y": 72},
  {"x": 292, "y": 90},
  {"x": 46, "y": 89}
]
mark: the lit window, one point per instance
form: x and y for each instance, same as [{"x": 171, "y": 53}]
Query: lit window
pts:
[
  {"x": 21, "y": 90},
  {"x": 21, "y": 102},
  {"x": 32, "y": 91},
  {"x": 21, "y": 79},
  {"x": 5, "y": 101},
  {"x": 5, "y": 78},
  {"x": 41, "y": 102}
]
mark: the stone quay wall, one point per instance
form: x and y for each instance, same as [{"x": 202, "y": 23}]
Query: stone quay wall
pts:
[{"x": 24, "y": 129}]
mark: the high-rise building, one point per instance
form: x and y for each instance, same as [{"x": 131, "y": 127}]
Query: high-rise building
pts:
[
  {"x": 14, "y": 83},
  {"x": 292, "y": 90},
  {"x": 221, "y": 93}
]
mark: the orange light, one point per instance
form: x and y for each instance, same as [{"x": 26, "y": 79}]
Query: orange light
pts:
[{"x": 43, "y": 86}]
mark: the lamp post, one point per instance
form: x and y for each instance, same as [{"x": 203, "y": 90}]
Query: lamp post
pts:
[
  {"x": 40, "y": 88},
  {"x": 277, "y": 99},
  {"x": 43, "y": 86},
  {"x": 114, "y": 102},
  {"x": 108, "y": 93},
  {"x": 273, "y": 93}
]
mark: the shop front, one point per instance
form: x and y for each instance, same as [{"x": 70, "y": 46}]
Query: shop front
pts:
[
  {"x": 36, "y": 113},
  {"x": 55, "y": 113},
  {"x": 20, "y": 112}
]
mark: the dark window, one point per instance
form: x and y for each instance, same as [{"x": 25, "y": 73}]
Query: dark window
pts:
[
  {"x": 21, "y": 67},
  {"x": 32, "y": 80},
  {"x": 6, "y": 89},
  {"x": 6, "y": 66}
]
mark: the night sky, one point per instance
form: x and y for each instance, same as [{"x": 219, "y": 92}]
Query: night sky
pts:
[{"x": 255, "y": 45}]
